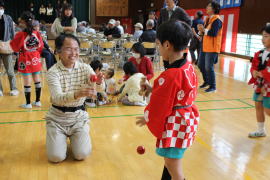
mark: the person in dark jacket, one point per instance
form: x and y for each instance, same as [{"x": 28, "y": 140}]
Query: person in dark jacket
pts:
[
  {"x": 47, "y": 52},
  {"x": 112, "y": 31},
  {"x": 173, "y": 12},
  {"x": 149, "y": 36},
  {"x": 152, "y": 15},
  {"x": 196, "y": 44}
]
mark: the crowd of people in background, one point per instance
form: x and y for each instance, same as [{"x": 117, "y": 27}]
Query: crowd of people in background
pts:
[
  {"x": 62, "y": 20},
  {"x": 47, "y": 12}
]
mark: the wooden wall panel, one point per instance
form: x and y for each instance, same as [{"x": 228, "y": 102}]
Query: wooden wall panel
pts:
[{"x": 112, "y": 8}]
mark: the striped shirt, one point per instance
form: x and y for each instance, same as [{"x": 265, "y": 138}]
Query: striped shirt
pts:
[{"x": 63, "y": 83}]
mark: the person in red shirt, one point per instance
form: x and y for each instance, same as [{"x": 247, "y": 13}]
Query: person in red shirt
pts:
[
  {"x": 29, "y": 44},
  {"x": 142, "y": 63}
]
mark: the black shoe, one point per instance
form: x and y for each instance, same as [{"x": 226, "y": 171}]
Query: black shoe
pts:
[
  {"x": 204, "y": 85},
  {"x": 210, "y": 90}
]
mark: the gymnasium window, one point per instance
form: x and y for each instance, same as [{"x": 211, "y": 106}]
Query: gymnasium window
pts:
[{"x": 248, "y": 44}]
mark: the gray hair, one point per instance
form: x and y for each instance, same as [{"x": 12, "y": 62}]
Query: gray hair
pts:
[{"x": 150, "y": 23}]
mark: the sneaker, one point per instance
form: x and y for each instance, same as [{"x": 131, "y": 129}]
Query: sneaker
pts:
[
  {"x": 210, "y": 90},
  {"x": 91, "y": 105},
  {"x": 256, "y": 134},
  {"x": 27, "y": 106},
  {"x": 14, "y": 92},
  {"x": 204, "y": 85},
  {"x": 1, "y": 93},
  {"x": 140, "y": 104},
  {"x": 100, "y": 103},
  {"x": 37, "y": 104}
]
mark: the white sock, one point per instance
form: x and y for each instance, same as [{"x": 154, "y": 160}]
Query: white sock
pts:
[{"x": 261, "y": 127}]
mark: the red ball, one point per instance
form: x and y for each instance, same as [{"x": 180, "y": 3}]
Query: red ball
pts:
[
  {"x": 93, "y": 78},
  {"x": 140, "y": 150}
]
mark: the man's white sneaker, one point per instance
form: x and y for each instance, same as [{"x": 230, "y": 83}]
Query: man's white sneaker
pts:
[{"x": 1, "y": 93}]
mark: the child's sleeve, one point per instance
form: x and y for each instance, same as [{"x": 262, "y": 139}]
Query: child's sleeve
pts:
[
  {"x": 266, "y": 72},
  {"x": 58, "y": 27},
  {"x": 254, "y": 67},
  {"x": 255, "y": 63},
  {"x": 161, "y": 103},
  {"x": 17, "y": 43},
  {"x": 150, "y": 71}
]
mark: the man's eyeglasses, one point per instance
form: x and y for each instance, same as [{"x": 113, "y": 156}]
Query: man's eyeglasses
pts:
[{"x": 70, "y": 50}]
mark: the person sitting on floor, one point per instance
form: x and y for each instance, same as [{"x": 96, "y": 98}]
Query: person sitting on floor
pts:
[{"x": 130, "y": 93}]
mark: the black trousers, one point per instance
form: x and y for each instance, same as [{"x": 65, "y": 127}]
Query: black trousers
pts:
[{"x": 49, "y": 58}]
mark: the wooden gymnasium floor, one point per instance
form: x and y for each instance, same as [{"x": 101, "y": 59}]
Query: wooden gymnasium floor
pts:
[{"x": 221, "y": 151}]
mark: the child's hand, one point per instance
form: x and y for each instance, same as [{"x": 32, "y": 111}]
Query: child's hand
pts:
[
  {"x": 147, "y": 88},
  {"x": 259, "y": 74},
  {"x": 141, "y": 121},
  {"x": 255, "y": 74}
]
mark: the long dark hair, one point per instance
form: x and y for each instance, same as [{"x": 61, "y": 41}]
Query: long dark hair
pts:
[
  {"x": 66, "y": 7},
  {"x": 28, "y": 17},
  {"x": 66, "y": 21}
]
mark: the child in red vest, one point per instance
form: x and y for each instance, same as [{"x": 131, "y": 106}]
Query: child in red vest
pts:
[
  {"x": 171, "y": 115},
  {"x": 260, "y": 71},
  {"x": 29, "y": 44}
]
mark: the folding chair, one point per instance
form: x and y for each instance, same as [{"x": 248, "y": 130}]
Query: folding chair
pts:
[
  {"x": 156, "y": 59},
  {"x": 86, "y": 50}
]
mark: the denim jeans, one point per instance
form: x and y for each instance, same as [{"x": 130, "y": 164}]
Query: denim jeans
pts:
[{"x": 206, "y": 66}]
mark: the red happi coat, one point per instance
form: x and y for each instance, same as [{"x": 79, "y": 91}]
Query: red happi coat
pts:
[
  {"x": 30, "y": 48},
  {"x": 175, "y": 87},
  {"x": 264, "y": 68}
]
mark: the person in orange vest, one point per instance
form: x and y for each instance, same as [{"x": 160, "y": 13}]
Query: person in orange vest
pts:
[{"x": 212, "y": 36}]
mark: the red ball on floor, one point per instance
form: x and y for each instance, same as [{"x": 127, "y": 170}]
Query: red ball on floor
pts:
[{"x": 140, "y": 150}]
